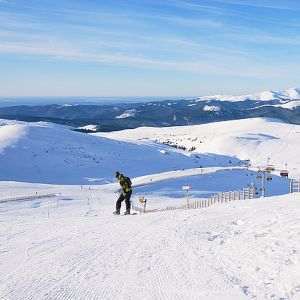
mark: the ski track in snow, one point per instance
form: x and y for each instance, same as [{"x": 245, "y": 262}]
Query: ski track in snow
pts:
[{"x": 242, "y": 250}]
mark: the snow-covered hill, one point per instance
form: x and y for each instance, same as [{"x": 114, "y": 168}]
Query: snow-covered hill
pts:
[
  {"x": 290, "y": 105},
  {"x": 256, "y": 139},
  {"x": 54, "y": 154},
  {"x": 281, "y": 96},
  {"x": 48, "y": 153}
]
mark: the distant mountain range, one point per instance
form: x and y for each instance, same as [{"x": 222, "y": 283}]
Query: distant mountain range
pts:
[
  {"x": 281, "y": 96},
  {"x": 283, "y": 105}
]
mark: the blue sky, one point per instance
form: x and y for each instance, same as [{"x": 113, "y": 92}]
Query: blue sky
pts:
[{"x": 147, "y": 47}]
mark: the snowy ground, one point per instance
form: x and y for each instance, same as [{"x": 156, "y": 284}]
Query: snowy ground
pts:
[
  {"x": 241, "y": 250},
  {"x": 68, "y": 245}
]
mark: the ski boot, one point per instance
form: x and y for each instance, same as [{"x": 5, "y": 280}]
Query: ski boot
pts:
[
  {"x": 127, "y": 212},
  {"x": 117, "y": 212}
]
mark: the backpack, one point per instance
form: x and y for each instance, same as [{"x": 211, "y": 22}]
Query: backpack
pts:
[{"x": 128, "y": 181}]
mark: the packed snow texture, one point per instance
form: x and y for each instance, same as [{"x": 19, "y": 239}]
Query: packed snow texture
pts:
[{"x": 71, "y": 247}]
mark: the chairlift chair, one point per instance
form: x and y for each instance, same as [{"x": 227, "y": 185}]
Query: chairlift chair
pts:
[{"x": 284, "y": 173}]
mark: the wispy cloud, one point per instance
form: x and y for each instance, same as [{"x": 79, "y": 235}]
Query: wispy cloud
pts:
[
  {"x": 190, "y": 22},
  {"x": 214, "y": 7},
  {"x": 119, "y": 40},
  {"x": 54, "y": 51},
  {"x": 196, "y": 6},
  {"x": 263, "y": 38},
  {"x": 117, "y": 47},
  {"x": 276, "y": 5}
]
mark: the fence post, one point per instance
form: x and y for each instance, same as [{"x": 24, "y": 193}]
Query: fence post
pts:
[
  {"x": 48, "y": 211},
  {"x": 187, "y": 188},
  {"x": 143, "y": 201}
]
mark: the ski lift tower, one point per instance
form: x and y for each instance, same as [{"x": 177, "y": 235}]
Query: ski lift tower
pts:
[
  {"x": 265, "y": 175},
  {"x": 262, "y": 176}
]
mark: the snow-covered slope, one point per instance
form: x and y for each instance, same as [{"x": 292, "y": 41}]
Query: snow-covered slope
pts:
[
  {"x": 213, "y": 108},
  {"x": 290, "y": 105},
  {"x": 127, "y": 114},
  {"x": 48, "y": 153},
  {"x": 233, "y": 251},
  {"x": 289, "y": 94},
  {"x": 257, "y": 139}
]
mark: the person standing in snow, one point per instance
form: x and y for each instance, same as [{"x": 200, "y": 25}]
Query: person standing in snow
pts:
[{"x": 126, "y": 191}]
